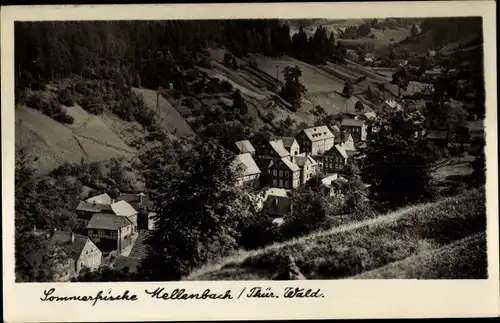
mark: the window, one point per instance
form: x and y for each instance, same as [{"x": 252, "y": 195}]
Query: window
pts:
[
  {"x": 87, "y": 252},
  {"x": 281, "y": 183},
  {"x": 286, "y": 173},
  {"x": 286, "y": 183},
  {"x": 275, "y": 172},
  {"x": 275, "y": 183},
  {"x": 281, "y": 173},
  {"x": 81, "y": 264}
]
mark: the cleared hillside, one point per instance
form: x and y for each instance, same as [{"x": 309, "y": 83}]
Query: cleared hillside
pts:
[
  {"x": 464, "y": 259},
  {"x": 52, "y": 143},
  {"x": 169, "y": 118},
  {"x": 355, "y": 248}
]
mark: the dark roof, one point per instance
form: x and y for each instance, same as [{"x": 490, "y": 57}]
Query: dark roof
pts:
[
  {"x": 108, "y": 222},
  {"x": 300, "y": 160},
  {"x": 244, "y": 146},
  {"x": 288, "y": 141},
  {"x": 263, "y": 164},
  {"x": 129, "y": 197},
  {"x": 352, "y": 123},
  {"x": 86, "y": 192},
  {"x": 93, "y": 207},
  {"x": 73, "y": 249}
]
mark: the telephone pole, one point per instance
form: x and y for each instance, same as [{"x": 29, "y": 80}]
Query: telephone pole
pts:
[
  {"x": 158, "y": 102},
  {"x": 21, "y": 134}
]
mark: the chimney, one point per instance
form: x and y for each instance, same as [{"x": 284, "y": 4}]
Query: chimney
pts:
[
  {"x": 112, "y": 201},
  {"x": 72, "y": 237}
]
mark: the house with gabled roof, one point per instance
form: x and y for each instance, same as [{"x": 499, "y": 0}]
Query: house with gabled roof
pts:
[
  {"x": 142, "y": 204},
  {"x": 274, "y": 149},
  {"x": 63, "y": 266},
  {"x": 392, "y": 105},
  {"x": 333, "y": 184},
  {"x": 335, "y": 159},
  {"x": 111, "y": 232},
  {"x": 249, "y": 175},
  {"x": 104, "y": 199},
  {"x": 284, "y": 174},
  {"x": 277, "y": 202},
  {"x": 357, "y": 128},
  {"x": 79, "y": 248},
  {"x": 315, "y": 140},
  {"x": 244, "y": 147},
  {"x": 291, "y": 145},
  {"x": 308, "y": 166},
  {"x": 103, "y": 204}
]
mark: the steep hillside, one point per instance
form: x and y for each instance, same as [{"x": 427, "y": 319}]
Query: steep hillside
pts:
[
  {"x": 352, "y": 249},
  {"x": 443, "y": 34},
  {"x": 168, "y": 117},
  {"x": 463, "y": 259},
  {"x": 89, "y": 138}
]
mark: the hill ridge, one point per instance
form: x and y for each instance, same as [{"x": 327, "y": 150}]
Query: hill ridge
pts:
[{"x": 241, "y": 256}]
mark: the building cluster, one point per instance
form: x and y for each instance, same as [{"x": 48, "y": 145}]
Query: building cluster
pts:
[
  {"x": 105, "y": 226},
  {"x": 272, "y": 169}
]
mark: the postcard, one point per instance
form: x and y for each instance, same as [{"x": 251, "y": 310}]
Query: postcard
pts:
[{"x": 249, "y": 161}]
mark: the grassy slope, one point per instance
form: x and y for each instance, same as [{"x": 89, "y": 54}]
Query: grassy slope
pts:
[
  {"x": 53, "y": 143},
  {"x": 91, "y": 137},
  {"x": 170, "y": 119},
  {"x": 351, "y": 249},
  {"x": 464, "y": 259}
]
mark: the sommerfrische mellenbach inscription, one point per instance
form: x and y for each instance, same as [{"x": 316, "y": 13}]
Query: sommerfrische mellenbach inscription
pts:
[{"x": 100, "y": 296}]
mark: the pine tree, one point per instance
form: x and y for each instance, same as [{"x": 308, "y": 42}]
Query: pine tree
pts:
[
  {"x": 293, "y": 89},
  {"x": 239, "y": 104}
]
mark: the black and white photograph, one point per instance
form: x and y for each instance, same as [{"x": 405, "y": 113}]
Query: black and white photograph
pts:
[{"x": 263, "y": 149}]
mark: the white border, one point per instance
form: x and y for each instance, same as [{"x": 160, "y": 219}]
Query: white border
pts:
[{"x": 344, "y": 298}]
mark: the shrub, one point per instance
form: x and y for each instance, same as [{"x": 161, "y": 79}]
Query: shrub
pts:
[
  {"x": 205, "y": 63},
  {"x": 91, "y": 104},
  {"x": 82, "y": 88},
  {"x": 270, "y": 116},
  {"x": 65, "y": 169},
  {"x": 156, "y": 135},
  {"x": 34, "y": 101},
  {"x": 258, "y": 232},
  {"x": 63, "y": 117},
  {"x": 65, "y": 97}
]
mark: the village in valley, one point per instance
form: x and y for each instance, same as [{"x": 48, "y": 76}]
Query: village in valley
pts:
[{"x": 247, "y": 147}]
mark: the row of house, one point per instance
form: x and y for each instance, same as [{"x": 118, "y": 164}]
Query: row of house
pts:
[
  {"x": 109, "y": 226},
  {"x": 289, "y": 162}
]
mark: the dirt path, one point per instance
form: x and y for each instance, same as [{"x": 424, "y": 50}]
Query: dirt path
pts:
[{"x": 240, "y": 257}]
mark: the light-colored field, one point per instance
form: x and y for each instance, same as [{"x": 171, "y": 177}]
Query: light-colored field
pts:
[
  {"x": 170, "y": 118},
  {"x": 52, "y": 143},
  {"x": 314, "y": 78},
  {"x": 353, "y": 248}
]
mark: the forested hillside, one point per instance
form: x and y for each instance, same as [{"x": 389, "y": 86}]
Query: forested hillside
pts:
[{"x": 139, "y": 49}]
